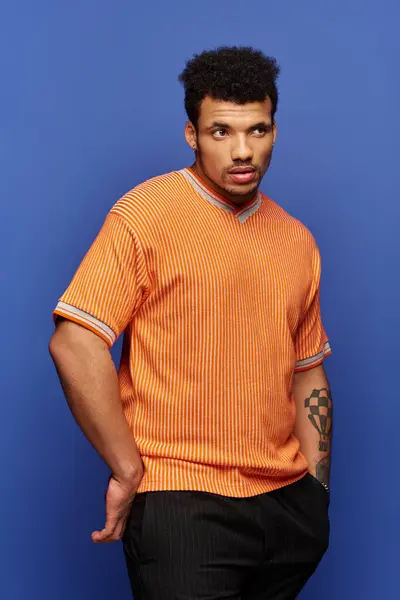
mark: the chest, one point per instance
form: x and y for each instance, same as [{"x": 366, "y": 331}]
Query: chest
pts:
[{"x": 206, "y": 271}]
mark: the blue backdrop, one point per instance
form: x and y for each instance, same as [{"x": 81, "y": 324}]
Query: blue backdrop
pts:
[{"x": 89, "y": 107}]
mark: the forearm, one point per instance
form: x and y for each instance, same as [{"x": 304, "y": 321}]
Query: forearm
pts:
[
  {"x": 90, "y": 383},
  {"x": 314, "y": 420}
]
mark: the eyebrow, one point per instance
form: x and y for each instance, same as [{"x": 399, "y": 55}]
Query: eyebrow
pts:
[
  {"x": 216, "y": 124},
  {"x": 260, "y": 125},
  {"x": 220, "y": 125}
]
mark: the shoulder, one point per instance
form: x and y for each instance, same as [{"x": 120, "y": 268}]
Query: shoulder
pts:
[
  {"x": 296, "y": 232},
  {"x": 146, "y": 203}
]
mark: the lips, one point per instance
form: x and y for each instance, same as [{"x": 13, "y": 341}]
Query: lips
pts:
[
  {"x": 242, "y": 170},
  {"x": 242, "y": 175}
]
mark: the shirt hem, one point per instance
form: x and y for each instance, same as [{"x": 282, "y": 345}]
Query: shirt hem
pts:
[{"x": 237, "y": 491}]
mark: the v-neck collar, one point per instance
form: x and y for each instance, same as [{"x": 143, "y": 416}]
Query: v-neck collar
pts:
[{"x": 241, "y": 212}]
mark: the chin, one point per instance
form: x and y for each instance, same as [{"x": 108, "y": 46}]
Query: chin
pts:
[
  {"x": 239, "y": 190},
  {"x": 242, "y": 190}
]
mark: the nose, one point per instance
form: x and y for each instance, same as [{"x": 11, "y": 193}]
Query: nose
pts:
[{"x": 241, "y": 150}]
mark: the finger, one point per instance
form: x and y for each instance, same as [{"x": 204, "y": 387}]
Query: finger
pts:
[
  {"x": 101, "y": 536},
  {"x": 104, "y": 534},
  {"x": 120, "y": 530}
]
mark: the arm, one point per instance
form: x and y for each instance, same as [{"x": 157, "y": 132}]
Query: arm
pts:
[
  {"x": 108, "y": 288},
  {"x": 313, "y": 426},
  {"x": 90, "y": 383}
]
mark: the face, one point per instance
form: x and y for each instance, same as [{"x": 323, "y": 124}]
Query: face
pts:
[{"x": 233, "y": 146}]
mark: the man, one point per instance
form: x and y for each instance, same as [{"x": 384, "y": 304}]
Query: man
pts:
[{"x": 217, "y": 427}]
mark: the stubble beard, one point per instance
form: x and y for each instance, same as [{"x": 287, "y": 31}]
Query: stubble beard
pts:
[{"x": 234, "y": 192}]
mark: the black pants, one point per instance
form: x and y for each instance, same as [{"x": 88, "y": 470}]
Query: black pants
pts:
[{"x": 199, "y": 546}]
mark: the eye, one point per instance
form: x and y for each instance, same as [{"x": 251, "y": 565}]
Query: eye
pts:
[
  {"x": 260, "y": 131},
  {"x": 219, "y": 133}
]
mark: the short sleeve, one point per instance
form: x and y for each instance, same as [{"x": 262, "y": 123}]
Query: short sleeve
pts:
[
  {"x": 110, "y": 284},
  {"x": 311, "y": 343}
]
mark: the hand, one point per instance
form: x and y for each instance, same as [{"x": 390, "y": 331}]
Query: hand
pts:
[{"x": 119, "y": 498}]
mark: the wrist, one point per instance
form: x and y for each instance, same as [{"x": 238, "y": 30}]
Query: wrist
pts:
[
  {"x": 131, "y": 471},
  {"x": 325, "y": 485}
]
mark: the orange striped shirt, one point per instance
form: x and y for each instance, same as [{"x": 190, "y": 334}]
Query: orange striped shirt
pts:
[{"x": 219, "y": 306}]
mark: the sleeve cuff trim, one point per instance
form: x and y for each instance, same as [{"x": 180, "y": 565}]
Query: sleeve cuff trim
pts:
[
  {"x": 68, "y": 311},
  {"x": 313, "y": 361}
]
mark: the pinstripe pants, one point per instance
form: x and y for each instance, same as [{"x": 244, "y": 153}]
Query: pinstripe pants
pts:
[{"x": 185, "y": 545}]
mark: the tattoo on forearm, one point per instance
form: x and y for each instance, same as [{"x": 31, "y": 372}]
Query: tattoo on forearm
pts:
[
  {"x": 323, "y": 470},
  {"x": 319, "y": 404}
]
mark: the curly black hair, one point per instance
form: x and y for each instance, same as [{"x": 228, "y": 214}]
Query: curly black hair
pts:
[{"x": 237, "y": 74}]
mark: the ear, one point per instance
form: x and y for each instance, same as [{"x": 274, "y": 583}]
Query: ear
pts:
[
  {"x": 274, "y": 132},
  {"x": 191, "y": 135}
]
